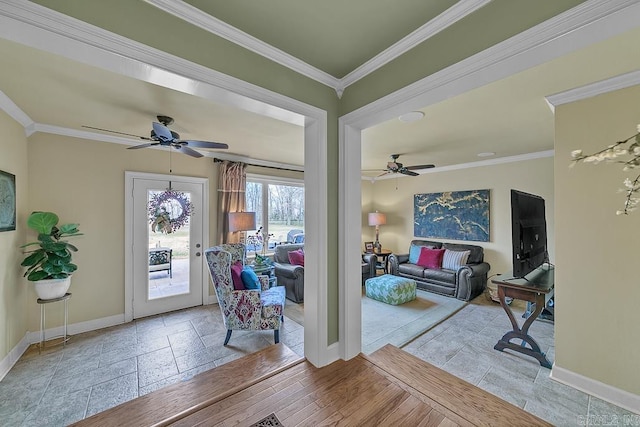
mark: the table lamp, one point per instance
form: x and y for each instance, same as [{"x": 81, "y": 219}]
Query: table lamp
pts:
[
  {"x": 376, "y": 218},
  {"x": 242, "y": 221}
]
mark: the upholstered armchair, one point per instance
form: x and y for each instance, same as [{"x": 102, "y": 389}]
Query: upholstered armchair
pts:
[{"x": 245, "y": 309}]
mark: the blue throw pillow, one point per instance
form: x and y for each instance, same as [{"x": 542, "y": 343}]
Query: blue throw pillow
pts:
[
  {"x": 414, "y": 253},
  {"x": 250, "y": 279}
]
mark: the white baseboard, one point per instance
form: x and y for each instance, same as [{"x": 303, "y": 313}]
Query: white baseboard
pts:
[
  {"x": 78, "y": 328},
  {"x": 621, "y": 398},
  {"x": 33, "y": 337},
  {"x": 7, "y": 363}
]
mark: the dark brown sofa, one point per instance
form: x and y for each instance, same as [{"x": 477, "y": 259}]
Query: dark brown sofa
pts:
[{"x": 465, "y": 283}]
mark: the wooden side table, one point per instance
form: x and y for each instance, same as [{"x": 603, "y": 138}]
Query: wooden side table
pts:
[
  {"x": 44, "y": 302},
  {"x": 382, "y": 255},
  {"x": 266, "y": 270}
]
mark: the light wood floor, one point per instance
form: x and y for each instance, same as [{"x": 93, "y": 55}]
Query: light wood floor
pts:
[{"x": 388, "y": 387}]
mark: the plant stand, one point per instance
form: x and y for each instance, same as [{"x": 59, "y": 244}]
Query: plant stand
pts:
[{"x": 42, "y": 303}]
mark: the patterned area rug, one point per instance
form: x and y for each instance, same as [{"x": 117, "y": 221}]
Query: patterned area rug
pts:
[
  {"x": 269, "y": 421},
  {"x": 394, "y": 324}
]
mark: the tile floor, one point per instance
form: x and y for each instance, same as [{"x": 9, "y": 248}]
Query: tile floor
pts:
[
  {"x": 463, "y": 346},
  {"x": 101, "y": 369}
]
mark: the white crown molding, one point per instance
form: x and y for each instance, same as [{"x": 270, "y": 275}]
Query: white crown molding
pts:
[
  {"x": 480, "y": 163},
  {"x": 215, "y": 26},
  {"x": 587, "y": 23},
  {"x": 9, "y": 107},
  {"x": 428, "y": 30},
  {"x": 587, "y": 91},
  {"x": 197, "y": 17},
  {"x": 36, "y": 26}
]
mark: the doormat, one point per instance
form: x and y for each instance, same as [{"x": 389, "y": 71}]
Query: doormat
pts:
[{"x": 269, "y": 421}]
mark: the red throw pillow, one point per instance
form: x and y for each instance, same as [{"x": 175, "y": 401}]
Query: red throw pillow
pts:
[
  {"x": 430, "y": 258},
  {"x": 236, "y": 273},
  {"x": 296, "y": 257}
]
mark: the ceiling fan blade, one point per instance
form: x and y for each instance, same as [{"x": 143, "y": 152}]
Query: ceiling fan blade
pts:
[
  {"x": 119, "y": 133},
  {"x": 149, "y": 144},
  {"x": 162, "y": 132},
  {"x": 383, "y": 174},
  {"x": 205, "y": 144},
  {"x": 418, "y": 167},
  {"x": 186, "y": 150},
  {"x": 405, "y": 171}
]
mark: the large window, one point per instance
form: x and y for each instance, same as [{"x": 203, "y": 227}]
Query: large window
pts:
[{"x": 279, "y": 208}]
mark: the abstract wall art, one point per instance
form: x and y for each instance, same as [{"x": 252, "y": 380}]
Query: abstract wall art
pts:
[
  {"x": 458, "y": 215},
  {"x": 7, "y": 201}
]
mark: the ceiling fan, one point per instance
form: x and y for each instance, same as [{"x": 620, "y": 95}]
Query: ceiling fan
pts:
[
  {"x": 162, "y": 135},
  {"x": 396, "y": 167}
]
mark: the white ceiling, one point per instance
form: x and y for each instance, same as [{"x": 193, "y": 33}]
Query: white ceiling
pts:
[{"x": 509, "y": 117}]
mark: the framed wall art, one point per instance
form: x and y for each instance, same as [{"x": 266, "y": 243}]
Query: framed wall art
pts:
[
  {"x": 458, "y": 215},
  {"x": 7, "y": 201}
]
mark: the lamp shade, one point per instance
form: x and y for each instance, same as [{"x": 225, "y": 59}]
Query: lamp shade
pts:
[
  {"x": 242, "y": 221},
  {"x": 377, "y": 218}
]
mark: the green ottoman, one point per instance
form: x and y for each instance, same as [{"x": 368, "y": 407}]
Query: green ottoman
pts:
[{"x": 391, "y": 289}]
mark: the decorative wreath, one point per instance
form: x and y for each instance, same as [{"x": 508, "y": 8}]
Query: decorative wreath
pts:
[{"x": 169, "y": 211}]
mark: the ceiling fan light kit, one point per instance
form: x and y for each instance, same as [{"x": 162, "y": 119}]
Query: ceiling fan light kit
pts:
[
  {"x": 396, "y": 167},
  {"x": 161, "y": 135}
]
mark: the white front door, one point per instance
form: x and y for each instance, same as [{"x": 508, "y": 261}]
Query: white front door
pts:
[{"x": 167, "y": 263}]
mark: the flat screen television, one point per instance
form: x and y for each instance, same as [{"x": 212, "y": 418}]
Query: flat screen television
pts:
[{"x": 528, "y": 232}]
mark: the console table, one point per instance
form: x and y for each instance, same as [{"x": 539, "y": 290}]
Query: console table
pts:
[{"x": 536, "y": 287}]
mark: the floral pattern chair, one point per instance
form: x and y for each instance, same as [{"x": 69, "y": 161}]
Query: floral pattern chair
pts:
[{"x": 247, "y": 309}]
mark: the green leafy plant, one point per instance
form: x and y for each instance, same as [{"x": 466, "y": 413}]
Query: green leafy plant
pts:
[{"x": 52, "y": 258}]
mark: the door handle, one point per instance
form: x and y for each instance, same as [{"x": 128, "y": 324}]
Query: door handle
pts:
[{"x": 197, "y": 253}]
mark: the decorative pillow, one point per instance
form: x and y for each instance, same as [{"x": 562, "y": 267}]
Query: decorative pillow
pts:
[
  {"x": 453, "y": 260},
  {"x": 296, "y": 257},
  {"x": 236, "y": 272},
  {"x": 430, "y": 258},
  {"x": 414, "y": 253},
  {"x": 250, "y": 279}
]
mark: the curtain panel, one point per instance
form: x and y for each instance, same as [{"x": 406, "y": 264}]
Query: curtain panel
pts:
[{"x": 232, "y": 180}]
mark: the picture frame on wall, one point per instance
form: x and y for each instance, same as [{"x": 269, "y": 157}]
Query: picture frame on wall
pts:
[
  {"x": 7, "y": 201},
  {"x": 368, "y": 247},
  {"x": 458, "y": 215}
]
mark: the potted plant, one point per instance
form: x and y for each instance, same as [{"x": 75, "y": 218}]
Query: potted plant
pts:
[{"x": 49, "y": 266}]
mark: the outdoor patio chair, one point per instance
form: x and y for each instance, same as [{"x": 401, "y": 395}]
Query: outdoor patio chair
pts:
[{"x": 244, "y": 309}]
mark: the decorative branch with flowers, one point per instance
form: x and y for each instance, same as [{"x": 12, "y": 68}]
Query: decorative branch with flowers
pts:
[{"x": 626, "y": 155}]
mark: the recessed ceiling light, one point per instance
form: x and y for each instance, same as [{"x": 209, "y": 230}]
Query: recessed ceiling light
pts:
[
  {"x": 412, "y": 116},
  {"x": 486, "y": 154}
]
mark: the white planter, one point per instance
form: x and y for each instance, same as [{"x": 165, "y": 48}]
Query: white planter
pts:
[{"x": 53, "y": 288}]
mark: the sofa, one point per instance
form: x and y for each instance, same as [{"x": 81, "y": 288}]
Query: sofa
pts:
[
  {"x": 464, "y": 282},
  {"x": 368, "y": 267},
  {"x": 291, "y": 276}
]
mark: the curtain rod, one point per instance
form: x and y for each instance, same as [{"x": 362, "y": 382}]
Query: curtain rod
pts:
[{"x": 217, "y": 160}]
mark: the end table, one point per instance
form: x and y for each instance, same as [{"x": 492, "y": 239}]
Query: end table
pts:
[{"x": 266, "y": 270}]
